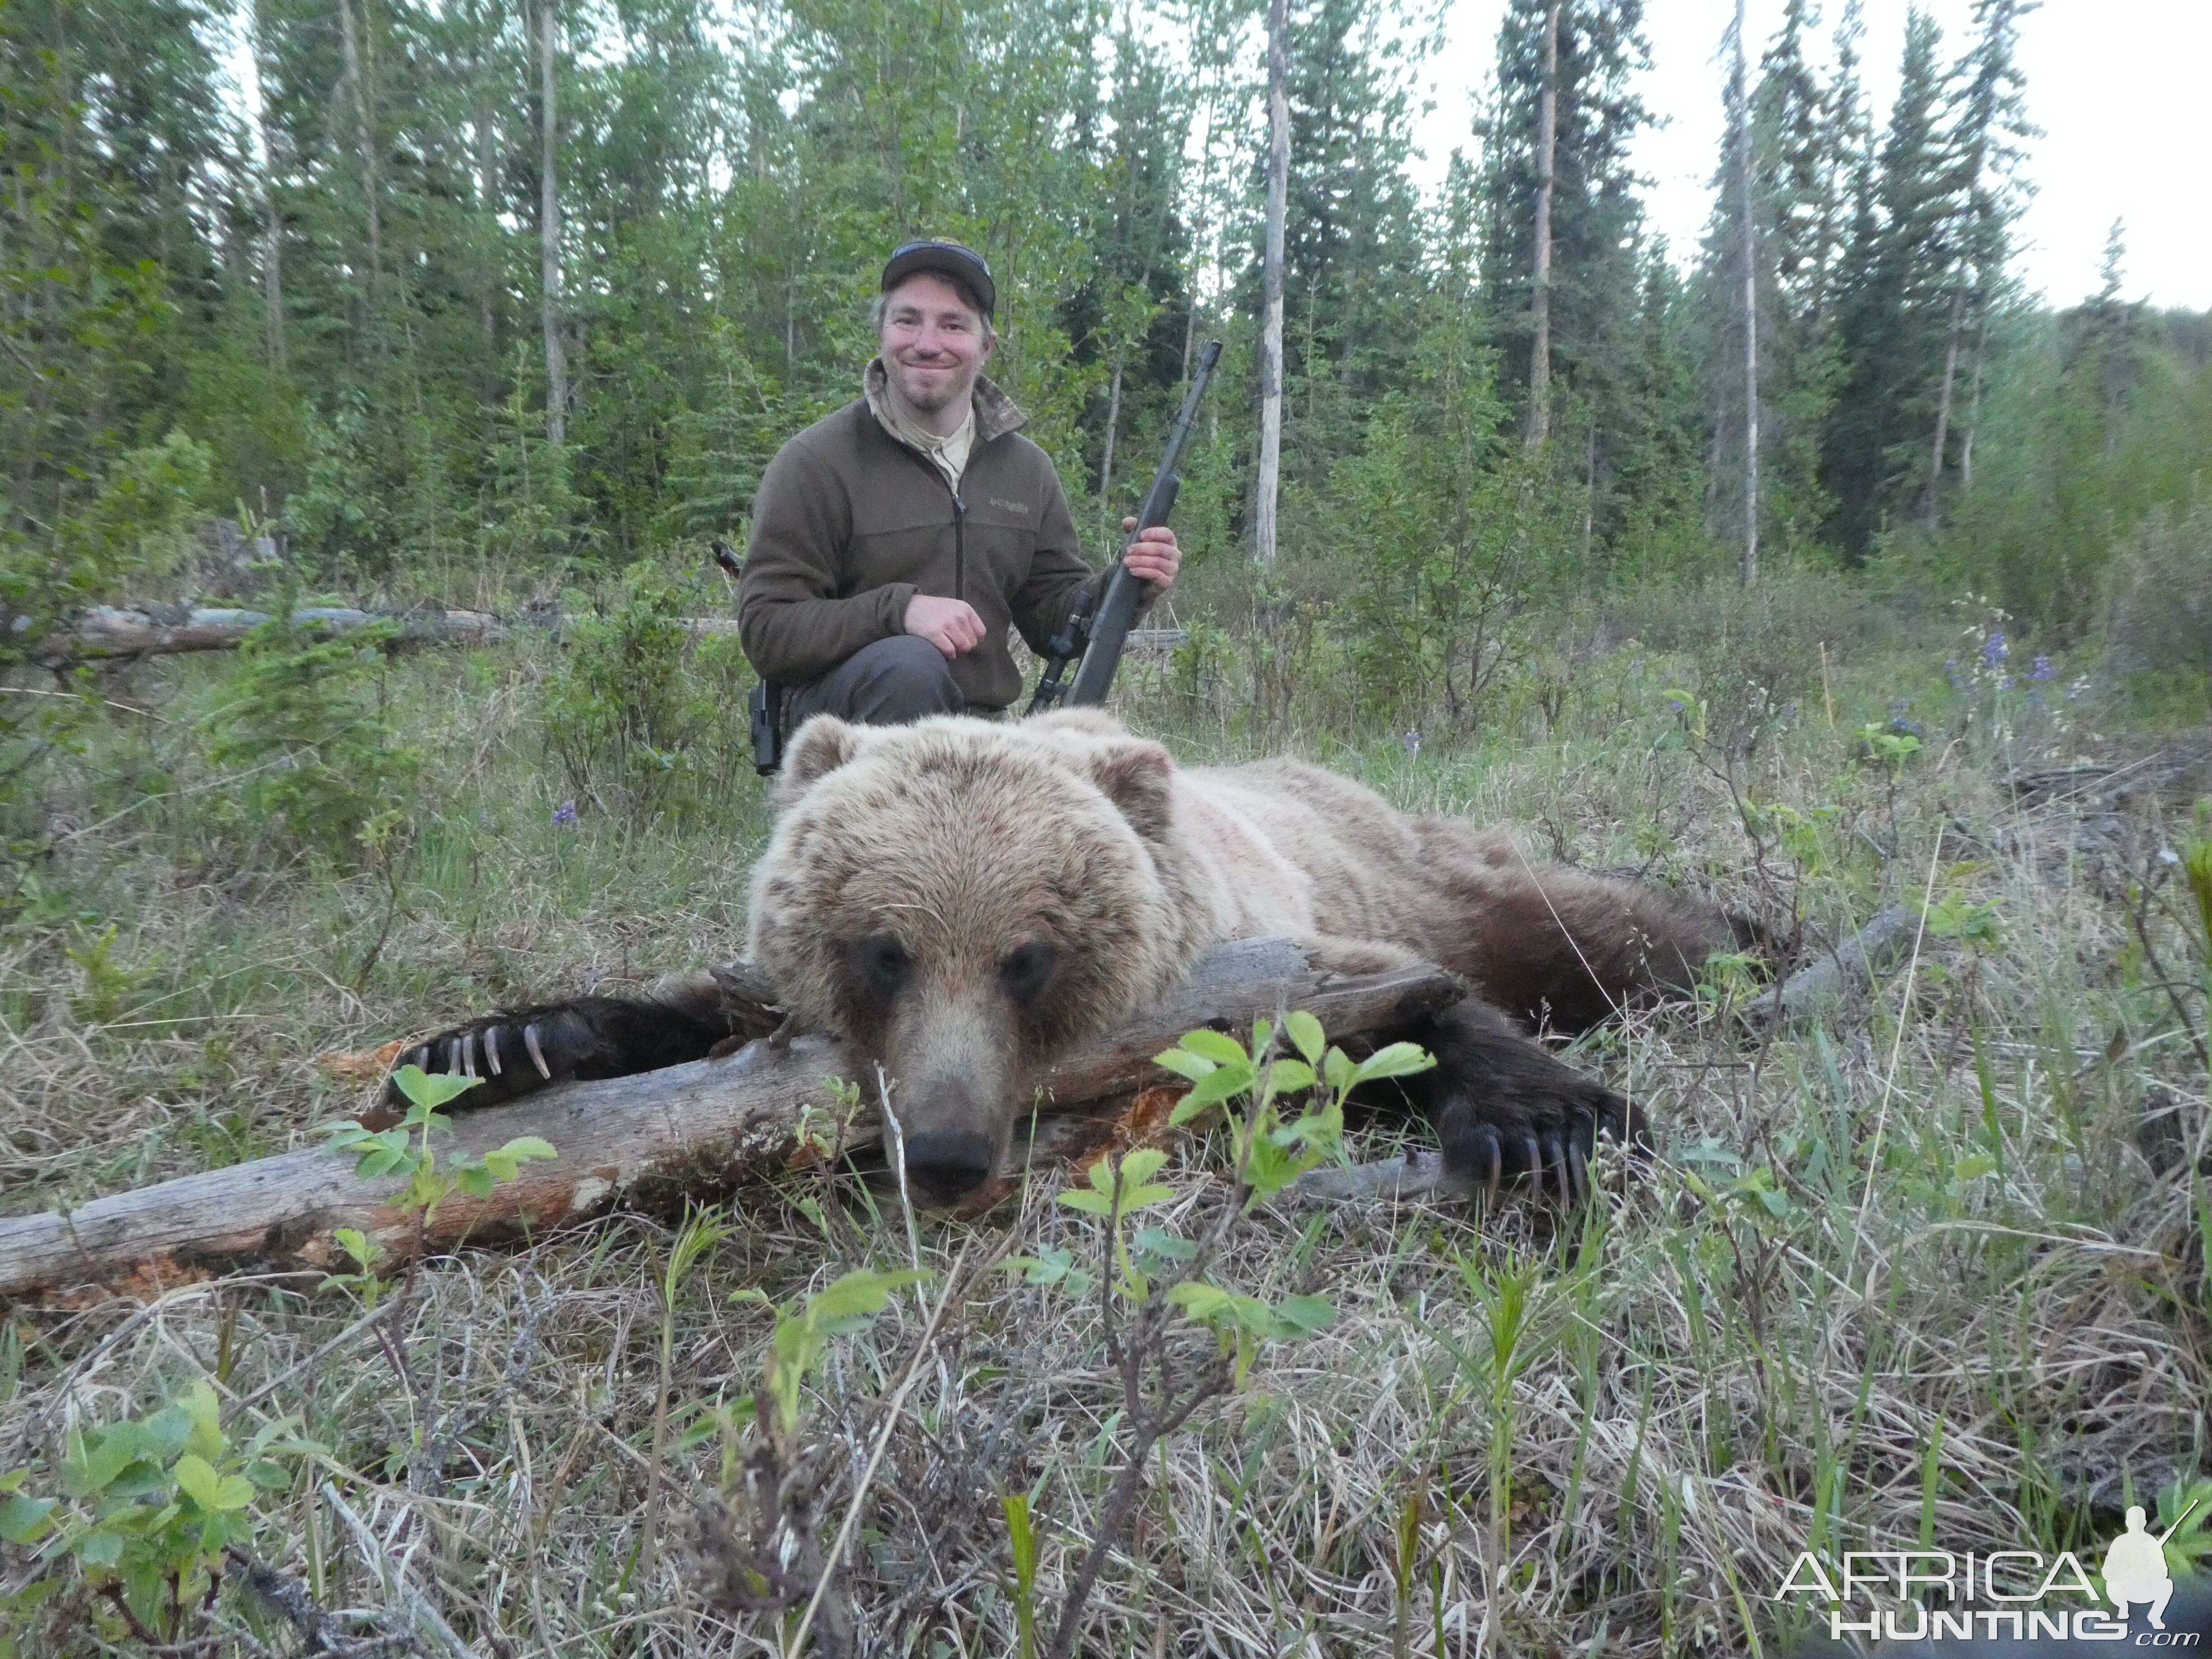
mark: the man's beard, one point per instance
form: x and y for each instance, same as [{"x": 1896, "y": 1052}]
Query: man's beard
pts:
[{"x": 945, "y": 393}]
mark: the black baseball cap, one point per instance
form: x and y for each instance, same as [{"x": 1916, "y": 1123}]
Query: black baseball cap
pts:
[{"x": 963, "y": 264}]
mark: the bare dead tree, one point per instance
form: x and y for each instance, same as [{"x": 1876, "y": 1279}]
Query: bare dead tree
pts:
[
  {"x": 1740, "y": 106},
  {"x": 350, "y": 45},
  {"x": 549, "y": 224},
  {"x": 1540, "y": 302},
  {"x": 1270, "y": 328}
]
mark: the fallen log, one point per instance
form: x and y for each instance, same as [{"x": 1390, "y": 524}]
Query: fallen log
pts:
[
  {"x": 1846, "y": 971},
  {"x": 107, "y": 632},
  {"x": 647, "y": 1140}
]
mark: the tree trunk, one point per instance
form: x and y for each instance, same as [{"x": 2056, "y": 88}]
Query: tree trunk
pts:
[
  {"x": 273, "y": 241},
  {"x": 549, "y": 225},
  {"x": 1539, "y": 298},
  {"x": 488, "y": 309},
  {"x": 651, "y": 1139},
  {"x": 1271, "y": 326},
  {"x": 1740, "y": 94},
  {"x": 365, "y": 128},
  {"x": 1973, "y": 406},
  {"x": 1943, "y": 405},
  {"x": 1112, "y": 425}
]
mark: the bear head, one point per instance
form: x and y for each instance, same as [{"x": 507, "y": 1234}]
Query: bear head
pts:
[{"x": 962, "y": 902}]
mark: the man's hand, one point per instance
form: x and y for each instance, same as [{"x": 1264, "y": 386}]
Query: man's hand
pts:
[
  {"x": 1153, "y": 556},
  {"x": 951, "y": 625}
]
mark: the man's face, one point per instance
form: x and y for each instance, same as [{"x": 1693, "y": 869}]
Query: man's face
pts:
[{"x": 933, "y": 343}]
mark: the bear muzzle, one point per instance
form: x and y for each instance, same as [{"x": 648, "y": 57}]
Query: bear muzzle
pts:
[{"x": 944, "y": 1165}]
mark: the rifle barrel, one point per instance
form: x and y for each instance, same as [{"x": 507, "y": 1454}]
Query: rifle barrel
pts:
[{"x": 1125, "y": 593}]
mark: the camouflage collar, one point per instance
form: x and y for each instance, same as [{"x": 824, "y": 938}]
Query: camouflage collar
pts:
[{"x": 996, "y": 413}]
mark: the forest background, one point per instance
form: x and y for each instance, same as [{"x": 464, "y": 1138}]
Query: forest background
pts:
[{"x": 473, "y": 304}]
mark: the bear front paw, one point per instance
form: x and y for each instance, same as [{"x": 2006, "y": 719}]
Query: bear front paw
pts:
[
  {"x": 509, "y": 1054},
  {"x": 1547, "y": 1137}
]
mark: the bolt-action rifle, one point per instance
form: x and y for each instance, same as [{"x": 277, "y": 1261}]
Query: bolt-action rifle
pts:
[{"x": 1096, "y": 634}]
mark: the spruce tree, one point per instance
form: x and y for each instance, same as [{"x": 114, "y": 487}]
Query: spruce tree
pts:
[{"x": 1892, "y": 308}]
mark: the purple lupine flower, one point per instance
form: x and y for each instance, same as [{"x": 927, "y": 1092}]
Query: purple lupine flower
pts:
[
  {"x": 1951, "y": 672},
  {"x": 565, "y": 812},
  {"x": 1412, "y": 741},
  {"x": 1994, "y": 649},
  {"x": 2041, "y": 670}
]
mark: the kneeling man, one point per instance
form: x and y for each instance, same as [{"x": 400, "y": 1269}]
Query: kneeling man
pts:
[{"x": 893, "y": 540}]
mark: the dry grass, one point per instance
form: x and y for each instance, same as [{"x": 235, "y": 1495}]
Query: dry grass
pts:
[{"x": 1972, "y": 1255}]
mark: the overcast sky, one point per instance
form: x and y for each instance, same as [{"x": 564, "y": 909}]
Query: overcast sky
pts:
[{"x": 2116, "y": 85}]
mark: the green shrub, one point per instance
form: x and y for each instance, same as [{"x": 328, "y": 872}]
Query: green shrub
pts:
[
  {"x": 645, "y": 716},
  {"x": 2157, "y": 614},
  {"x": 313, "y": 761}
]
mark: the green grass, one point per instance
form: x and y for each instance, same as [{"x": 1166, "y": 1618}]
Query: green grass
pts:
[{"x": 1903, "y": 1273}]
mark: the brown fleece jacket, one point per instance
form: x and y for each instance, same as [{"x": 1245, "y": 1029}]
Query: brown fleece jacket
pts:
[{"x": 849, "y": 525}]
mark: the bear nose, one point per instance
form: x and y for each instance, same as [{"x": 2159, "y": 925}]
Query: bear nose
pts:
[{"x": 947, "y": 1165}]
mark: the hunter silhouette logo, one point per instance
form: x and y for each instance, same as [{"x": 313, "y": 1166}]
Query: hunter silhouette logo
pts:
[
  {"x": 2135, "y": 1567},
  {"x": 1998, "y": 1594}
]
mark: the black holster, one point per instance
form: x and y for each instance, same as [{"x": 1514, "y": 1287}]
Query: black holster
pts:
[{"x": 764, "y": 706}]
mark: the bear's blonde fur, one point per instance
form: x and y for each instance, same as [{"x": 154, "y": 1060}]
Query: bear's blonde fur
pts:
[
  {"x": 956, "y": 842},
  {"x": 962, "y": 902}
]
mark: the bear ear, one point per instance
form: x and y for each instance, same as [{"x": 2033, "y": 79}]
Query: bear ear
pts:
[
  {"x": 820, "y": 748},
  {"x": 1139, "y": 778}
]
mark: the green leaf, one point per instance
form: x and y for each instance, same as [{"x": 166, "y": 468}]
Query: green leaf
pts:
[
  {"x": 1184, "y": 1063},
  {"x": 858, "y": 1295},
  {"x": 211, "y": 1491},
  {"x": 476, "y": 1179},
  {"x": 355, "y": 1244},
  {"x": 1288, "y": 1077},
  {"x": 1166, "y": 1246},
  {"x": 1399, "y": 1059},
  {"x": 1142, "y": 1165},
  {"x": 1306, "y": 1313},
  {"x": 1304, "y": 1033},
  {"x": 529, "y": 1149},
  {"x": 1214, "y": 1046},
  {"x": 1089, "y": 1203},
  {"x": 1225, "y": 1083},
  {"x": 23, "y": 1519},
  {"x": 429, "y": 1092},
  {"x": 116, "y": 1451},
  {"x": 204, "y": 1411}
]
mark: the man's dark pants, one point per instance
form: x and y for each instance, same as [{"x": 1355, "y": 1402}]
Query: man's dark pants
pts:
[{"x": 887, "y": 683}]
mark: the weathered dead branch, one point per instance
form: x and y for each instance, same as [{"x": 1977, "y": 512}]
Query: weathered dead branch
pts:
[{"x": 648, "y": 1139}]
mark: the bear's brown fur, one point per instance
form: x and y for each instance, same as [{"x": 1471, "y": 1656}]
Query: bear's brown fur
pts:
[{"x": 962, "y": 901}]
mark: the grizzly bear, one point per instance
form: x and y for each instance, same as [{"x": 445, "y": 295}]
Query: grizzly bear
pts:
[{"x": 963, "y": 900}]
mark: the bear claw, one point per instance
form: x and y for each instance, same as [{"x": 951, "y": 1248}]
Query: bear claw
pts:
[{"x": 537, "y": 1053}]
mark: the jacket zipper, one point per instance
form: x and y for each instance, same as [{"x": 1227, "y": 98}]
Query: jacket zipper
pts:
[{"x": 959, "y": 519}]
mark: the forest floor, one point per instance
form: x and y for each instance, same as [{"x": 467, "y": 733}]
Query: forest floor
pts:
[{"x": 1929, "y": 1271}]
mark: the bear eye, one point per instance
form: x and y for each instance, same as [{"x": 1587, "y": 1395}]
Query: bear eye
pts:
[
  {"x": 1025, "y": 969},
  {"x": 881, "y": 961}
]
